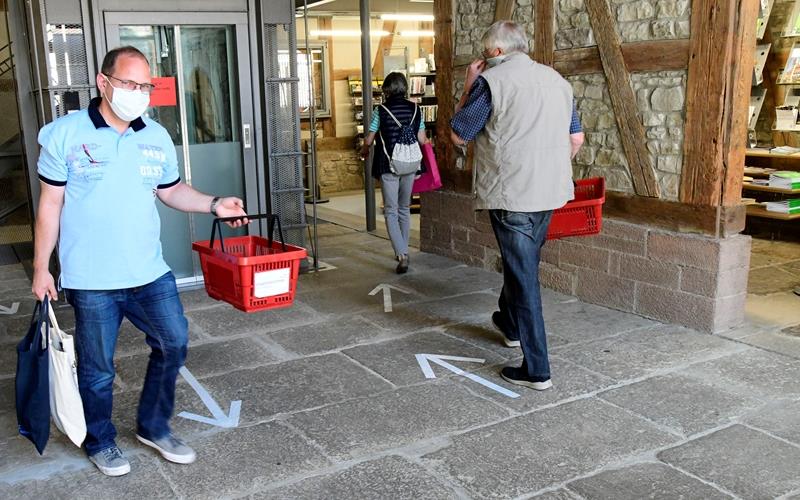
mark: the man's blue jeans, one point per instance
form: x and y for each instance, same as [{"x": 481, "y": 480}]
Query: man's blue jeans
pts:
[
  {"x": 155, "y": 309},
  {"x": 520, "y": 236}
]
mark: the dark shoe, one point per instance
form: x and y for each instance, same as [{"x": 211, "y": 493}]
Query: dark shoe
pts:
[
  {"x": 171, "y": 448},
  {"x": 797, "y": 290},
  {"x": 497, "y": 321},
  {"x": 402, "y": 266},
  {"x": 519, "y": 376},
  {"x": 111, "y": 462}
]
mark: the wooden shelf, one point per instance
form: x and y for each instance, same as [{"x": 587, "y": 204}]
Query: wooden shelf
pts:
[
  {"x": 768, "y": 189},
  {"x": 760, "y": 211},
  {"x": 765, "y": 153}
]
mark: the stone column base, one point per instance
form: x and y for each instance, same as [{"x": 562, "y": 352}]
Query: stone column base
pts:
[{"x": 695, "y": 281}]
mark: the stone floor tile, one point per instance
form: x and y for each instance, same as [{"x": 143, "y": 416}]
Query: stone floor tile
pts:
[
  {"x": 12, "y": 272},
  {"x": 468, "y": 309},
  {"x": 559, "y": 443},
  {"x": 654, "y": 481},
  {"x": 197, "y": 298},
  {"x": 390, "y": 477},
  {"x": 14, "y": 328},
  {"x": 762, "y": 374},
  {"x": 395, "y": 360},
  {"x": 743, "y": 461},
  {"x": 687, "y": 405},
  {"x": 771, "y": 280},
  {"x": 569, "y": 381},
  {"x": 639, "y": 352},
  {"x": 395, "y": 419},
  {"x": 560, "y": 494},
  {"x": 486, "y": 336},
  {"x": 451, "y": 282},
  {"x": 243, "y": 460},
  {"x": 144, "y": 481},
  {"x": 332, "y": 334},
  {"x": 776, "y": 341},
  {"x": 349, "y": 298},
  {"x": 202, "y": 360},
  {"x": 583, "y": 322},
  {"x": 21, "y": 462},
  {"x": 289, "y": 386},
  {"x": 780, "y": 419},
  {"x": 404, "y": 319},
  {"x": 7, "y": 397},
  {"x": 25, "y": 306},
  {"x": 226, "y": 321}
]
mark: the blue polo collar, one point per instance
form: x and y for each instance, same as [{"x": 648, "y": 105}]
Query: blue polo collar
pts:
[{"x": 99, "y": 122}]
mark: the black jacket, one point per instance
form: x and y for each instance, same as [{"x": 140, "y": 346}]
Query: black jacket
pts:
[{"x": 403, "y": 110}]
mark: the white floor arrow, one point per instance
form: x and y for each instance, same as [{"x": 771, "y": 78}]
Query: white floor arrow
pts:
[
  {"x": 387, "y": 294},
  {"x": 425, "y": 360},
  {"x": 10, "y": 310},
  {"x": 220, "y": 419}
]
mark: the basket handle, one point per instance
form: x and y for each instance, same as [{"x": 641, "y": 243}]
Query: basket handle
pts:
[{"x": 271, "y": 221}]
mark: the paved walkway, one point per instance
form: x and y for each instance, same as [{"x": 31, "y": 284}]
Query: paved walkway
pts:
[{"x": 335, "y": 405}]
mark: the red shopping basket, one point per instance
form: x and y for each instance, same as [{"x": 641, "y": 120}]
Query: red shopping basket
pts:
[
  {"x": 250, "y": 272},
  {"x": 583, "y": 215}
]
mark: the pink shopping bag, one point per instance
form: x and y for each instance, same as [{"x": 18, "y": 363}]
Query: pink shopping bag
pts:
[{"x": 430, "y": 180}]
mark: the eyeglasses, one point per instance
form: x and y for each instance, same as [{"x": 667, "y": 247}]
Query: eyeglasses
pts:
[{"x": 145, "y": 88}]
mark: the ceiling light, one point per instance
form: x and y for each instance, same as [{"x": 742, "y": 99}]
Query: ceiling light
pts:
[
  {"x": 407, "y": 17},
  {"x": 421, "y": 34},
  {"x": 347, "y": 33},
  {"x": 312, "y": 4}
]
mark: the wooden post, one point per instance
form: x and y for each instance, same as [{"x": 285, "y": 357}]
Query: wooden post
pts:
[
  {"x": 386, "y": 43},
  {"x": 443, "y": 51},
  {"x": 329, "y": 126},
  {"x": 712, "y": 56},
  {"x": 623, "y": 100},
  {"x": 544, "y": 32},
  {"x": 737, "y": 107},
  {"x": 504, "y": 10}
]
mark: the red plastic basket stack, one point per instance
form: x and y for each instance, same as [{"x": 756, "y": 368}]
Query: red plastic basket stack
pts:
[
  {"x": 244, "y": 271},
  {"x": 583, "y": 215}
]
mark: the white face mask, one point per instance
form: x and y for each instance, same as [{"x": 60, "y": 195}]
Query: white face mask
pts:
[
  {"x": 494, "y": 61},
  {"x": 128, "y": 105}
]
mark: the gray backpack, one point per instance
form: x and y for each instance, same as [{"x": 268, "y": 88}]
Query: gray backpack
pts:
[{"x": 406, "y": 157}]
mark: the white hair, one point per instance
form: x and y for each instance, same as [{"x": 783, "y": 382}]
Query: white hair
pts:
[{"x": 507, "y": 36}]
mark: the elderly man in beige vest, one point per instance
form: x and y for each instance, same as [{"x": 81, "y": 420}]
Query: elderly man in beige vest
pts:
[{"x": 526, "y": 130}]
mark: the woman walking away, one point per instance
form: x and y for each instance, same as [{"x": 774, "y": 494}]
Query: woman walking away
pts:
[{"x": 400, "y": 130}]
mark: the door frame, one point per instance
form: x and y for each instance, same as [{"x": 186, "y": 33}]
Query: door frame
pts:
[{"x": 112, "y": 20}]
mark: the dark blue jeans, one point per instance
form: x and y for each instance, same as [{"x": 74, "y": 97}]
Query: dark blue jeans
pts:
[
  {"x": 520, "y": 236},
  {"x": 156, "y": 310}
]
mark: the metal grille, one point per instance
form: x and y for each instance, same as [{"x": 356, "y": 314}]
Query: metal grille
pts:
[
  {"x": 283, "y": 130},
  {"x": 70, "y": 86}
]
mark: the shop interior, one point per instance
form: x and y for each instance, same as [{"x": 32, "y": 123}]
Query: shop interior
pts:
[
  {"x": 401, "y": 40},
  {"x": 771, "y": 184}
]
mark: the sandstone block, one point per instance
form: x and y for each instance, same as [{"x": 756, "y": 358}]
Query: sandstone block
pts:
[
  {"x": 685, "y": 250},
  {"x": 650, "y": 271},
  {"x": 583, "y": 256},
  {"x": 674, "y": 306},
  {"x": 605, "y": 290},
  {"x": 556, "y": 279}
]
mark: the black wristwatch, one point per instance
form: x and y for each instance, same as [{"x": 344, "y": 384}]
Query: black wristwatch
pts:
[{"x": 214, "y": 204}]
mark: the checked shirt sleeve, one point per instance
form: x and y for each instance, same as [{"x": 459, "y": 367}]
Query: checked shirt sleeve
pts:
[
  {"x": 575, "y": 126},
  {"x": 471, "y": 119}
]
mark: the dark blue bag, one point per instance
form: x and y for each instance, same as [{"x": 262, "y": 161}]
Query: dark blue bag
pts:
[{"x": 33, "y": 381}]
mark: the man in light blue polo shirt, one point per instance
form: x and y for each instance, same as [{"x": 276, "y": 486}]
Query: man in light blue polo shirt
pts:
[{"x": 101, "y": 170}]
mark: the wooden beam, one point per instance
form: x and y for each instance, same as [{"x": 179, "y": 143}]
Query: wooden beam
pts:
[
  {"x": 344, "y": 74},
  {"x": 544, "y": 36},
  {"x": 661, "y": 55},
  {"x": 623, "y": 100},
  {"x": 425, "y": 42},
  {"x": 743, "y": 59},
  {"x": 711, "y": 57},
  {"x": 385, "y": 44},
  {"x": 504, "y": 10},
  {"x": 675, "y": 216},
  {"x": 444, "y": 49},
  {"x": 329, "y": 127}
]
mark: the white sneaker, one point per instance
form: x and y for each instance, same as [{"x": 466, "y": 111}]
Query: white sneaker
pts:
[
  {"x": 171, "y": 448},
  {"x": 111, "y": 462}
]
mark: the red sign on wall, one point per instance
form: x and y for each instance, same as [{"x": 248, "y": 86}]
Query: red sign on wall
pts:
[{"x": 164, "y": 93}]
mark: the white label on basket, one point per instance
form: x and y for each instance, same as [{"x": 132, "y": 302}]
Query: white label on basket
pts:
[{"x": 271, "y": 283}]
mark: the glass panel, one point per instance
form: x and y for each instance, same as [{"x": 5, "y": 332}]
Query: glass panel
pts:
[
  {"x": 212, "y": 115},
  {"x": 317, "y": 64}
]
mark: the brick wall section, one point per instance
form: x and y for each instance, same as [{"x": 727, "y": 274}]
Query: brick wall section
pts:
[
  {"x": 691, "y": 280},
  {"x": 339, "y": 165}
]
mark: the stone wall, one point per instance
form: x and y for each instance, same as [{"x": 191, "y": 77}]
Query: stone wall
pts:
[
  {"x": 660, "y": 97},
  {"x": 637, "y": 20},
  {"x": 339, "y": 166},
  {"x": 695, "y": 281}
]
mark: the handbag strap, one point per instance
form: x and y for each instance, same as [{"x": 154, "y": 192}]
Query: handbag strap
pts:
[
  {"x": 53, "y": 322},
  {"x": 383, "y": 142}
]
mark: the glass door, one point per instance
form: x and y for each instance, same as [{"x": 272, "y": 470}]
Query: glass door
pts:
[{"x": 201, "y": 70}]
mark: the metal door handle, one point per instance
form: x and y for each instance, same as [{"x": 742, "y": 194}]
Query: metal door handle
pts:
[{"x": 246, "y": 135}]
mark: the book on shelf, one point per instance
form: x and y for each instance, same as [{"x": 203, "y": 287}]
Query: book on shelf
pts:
[
  {"x": 417, "y": 85},
  {"x": 785, "y": 207},
  {"x": 785, "y": 150},
  {"x": 786, "y": 179}
]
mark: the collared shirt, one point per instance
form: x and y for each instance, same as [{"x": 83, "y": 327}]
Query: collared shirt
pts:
[
  {"x": 472, "y": 118},
  {"x": 110, "y": 228}
]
